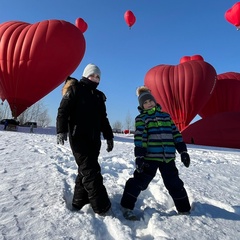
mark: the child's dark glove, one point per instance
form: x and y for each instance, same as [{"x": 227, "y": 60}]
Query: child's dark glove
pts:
[
  {"x": 139, "y": 164},
  {"x": 109, "y": 145},
  {"x": 185, "y": 159},
  {"x": 61, "y": 137}
]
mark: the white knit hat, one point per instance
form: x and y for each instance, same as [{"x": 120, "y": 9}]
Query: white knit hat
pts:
[{"x": 91, "y": 69}]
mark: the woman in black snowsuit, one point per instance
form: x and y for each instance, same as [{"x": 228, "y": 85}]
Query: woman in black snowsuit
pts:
[{"x": 82, "y": 114}]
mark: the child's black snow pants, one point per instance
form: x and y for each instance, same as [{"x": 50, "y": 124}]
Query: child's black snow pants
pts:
[{"x": 171, "y": 180}]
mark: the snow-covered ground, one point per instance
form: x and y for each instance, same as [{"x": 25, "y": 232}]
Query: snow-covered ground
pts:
[{"x": 37, "y": 180}]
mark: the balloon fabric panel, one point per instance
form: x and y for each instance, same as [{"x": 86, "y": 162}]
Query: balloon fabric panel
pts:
[
  {"x": 220, "y": 130},
  {"x": 225, "y": 97}
]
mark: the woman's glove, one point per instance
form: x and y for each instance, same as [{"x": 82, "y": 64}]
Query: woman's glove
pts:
[
  {"x": 139, "y": 161},
  {"x": 109, "y": 145},
  {"x": 185, "y": 158},
  {"x": 61, "y": 137}
]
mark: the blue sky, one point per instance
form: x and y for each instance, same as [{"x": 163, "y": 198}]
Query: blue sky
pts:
[{"x": 164, "y": 32}]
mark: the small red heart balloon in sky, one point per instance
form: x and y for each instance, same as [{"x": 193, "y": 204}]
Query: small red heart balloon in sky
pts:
[
  {"x": 35, "y": 59},
  {"x": 232, "y": 15},
  {"x": 182, "y": 90},
  {"x": 130, "y": 18}
]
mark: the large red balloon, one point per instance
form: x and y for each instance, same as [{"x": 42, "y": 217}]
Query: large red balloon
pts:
[
  {"x": 225, "y": 97},
  {"x": 35, "y": 59},
  {"x": 220, "y": 130},
  {"x": 182, "y": 90},
  {"x": 129, "y": 18},
  {"x": 232, "y": 15}
]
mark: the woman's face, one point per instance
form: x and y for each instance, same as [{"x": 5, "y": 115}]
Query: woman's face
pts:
[{"x": 94, "y": 78}]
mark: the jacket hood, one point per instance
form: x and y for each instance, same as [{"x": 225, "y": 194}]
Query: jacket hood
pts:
[{"x": 68, "y": 83}]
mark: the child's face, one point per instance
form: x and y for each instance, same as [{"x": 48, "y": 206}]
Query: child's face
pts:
[
  {"x": 148, "y": 104},
  {"x": 94, "y": 78}
]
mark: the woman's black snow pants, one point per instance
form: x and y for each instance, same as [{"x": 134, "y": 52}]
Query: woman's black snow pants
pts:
[{"x": 89, "y": 186}]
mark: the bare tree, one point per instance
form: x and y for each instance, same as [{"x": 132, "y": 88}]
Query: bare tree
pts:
[
  {"x": 37, "y": 110},
  {"x": 23, "y": 116},
  {"x": 117, "y": 127},
  {"x": 4, "y": 110},
  {"x": 128, "y": 121},
  {"x": 44, "y": 119}
]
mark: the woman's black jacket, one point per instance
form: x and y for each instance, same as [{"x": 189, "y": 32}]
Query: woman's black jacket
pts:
[{"x": 82, "y": 113}]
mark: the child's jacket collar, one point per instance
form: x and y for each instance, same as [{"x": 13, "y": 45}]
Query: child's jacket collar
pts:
[{"x": 150, "y": 111}]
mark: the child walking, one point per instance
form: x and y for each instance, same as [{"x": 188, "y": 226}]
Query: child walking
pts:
[{"x": 156, "y": 140}]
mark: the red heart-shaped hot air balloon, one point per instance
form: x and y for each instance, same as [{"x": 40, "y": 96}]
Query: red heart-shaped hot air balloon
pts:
[
  {"x": 225, "y": 97},
  {"x": 182, "y": 90},
  {"x": 35, "y": 59},
  {"x": 130, "y": 18},
  {"x": 232, "y": 15}
]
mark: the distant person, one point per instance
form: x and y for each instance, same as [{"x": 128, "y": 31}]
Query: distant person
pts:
[
  {"x": 5, "y": 124},
  {"x": 31, "y": 128},
  {"x": 156, "y": 139},
  {"x": 82, "y": 114}
]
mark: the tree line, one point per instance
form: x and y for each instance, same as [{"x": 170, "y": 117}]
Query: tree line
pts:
[
  {"x": 119, "y": 127},
  {"x": 38, "y": 113}
]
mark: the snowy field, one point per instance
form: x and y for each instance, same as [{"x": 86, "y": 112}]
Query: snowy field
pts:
[{"x": 37, "y": 181}]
